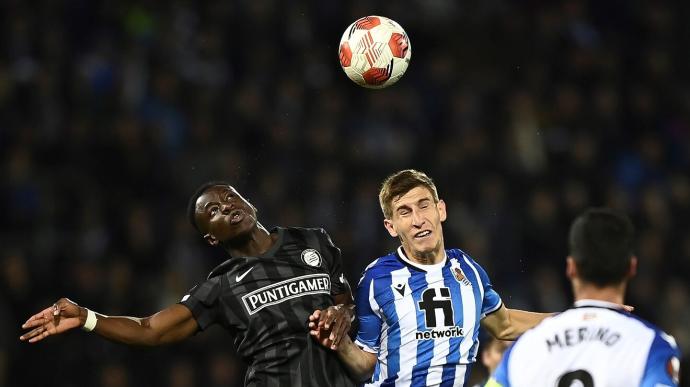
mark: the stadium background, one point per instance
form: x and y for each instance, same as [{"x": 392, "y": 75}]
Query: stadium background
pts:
[{"x": 524, "y": 113}]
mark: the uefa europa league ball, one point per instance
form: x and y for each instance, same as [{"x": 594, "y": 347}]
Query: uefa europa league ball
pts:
[{"x": 374, "y": 52}]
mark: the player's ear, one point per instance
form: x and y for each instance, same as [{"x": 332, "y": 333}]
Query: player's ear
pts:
[
  {"x": 211, "y": 240},
  {"x": 632, "y": 271},
  {"x": 389, "y": 226},
  {"x": 441, "y": 205},
  {"x": 570, "y": 268}
]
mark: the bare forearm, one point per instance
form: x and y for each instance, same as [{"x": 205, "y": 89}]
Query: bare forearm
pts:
[
  {"x": 171, "y": 324},
  {"x": 122, "y": 329},
  {"x": 360, "y": 363},
  {"x": 521, "y": 321},
  {"x": 167, "y": 326}
]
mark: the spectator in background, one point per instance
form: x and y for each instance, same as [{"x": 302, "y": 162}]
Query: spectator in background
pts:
[{"x": 491, "y": 355}]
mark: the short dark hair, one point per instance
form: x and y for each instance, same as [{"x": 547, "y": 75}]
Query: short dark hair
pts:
[
  {"x": 601, "y": 243},
  {"x": 191, "y": 206}
]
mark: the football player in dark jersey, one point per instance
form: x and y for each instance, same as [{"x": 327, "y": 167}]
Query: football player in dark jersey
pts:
[{"x": 264, "y": 294}]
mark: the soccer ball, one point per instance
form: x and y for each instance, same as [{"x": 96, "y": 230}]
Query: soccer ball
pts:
[{"x": 374, "y": 52}]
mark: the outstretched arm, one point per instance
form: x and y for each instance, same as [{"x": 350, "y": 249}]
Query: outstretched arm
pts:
[
  {"x": 509, "y": 324},
  {"x": 171, "y": 324}
]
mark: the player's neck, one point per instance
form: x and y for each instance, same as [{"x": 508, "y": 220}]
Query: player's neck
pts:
[
  {"x": 587, "y": 291},
  {"x": 425, "y": 258},
  {"x": 257, "y": 242}
]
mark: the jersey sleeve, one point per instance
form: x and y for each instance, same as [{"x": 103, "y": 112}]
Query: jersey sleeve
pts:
[
  {"x": 331, "y": 252},
  {"x": 369, "y": 331},
  {"x": 663, "y": 363},
  {"x": 202, "y": 301},
  {"x": 491, "y": 301},
  {"x": 500, "y": 375}
]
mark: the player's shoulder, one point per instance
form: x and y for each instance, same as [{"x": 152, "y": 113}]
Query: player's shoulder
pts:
[
  {"x": 307, "y": 232},
  {"x": 303, "y": 230},
  {"x": 382, "y": 266},
  {"x": 466, "y": 261},
  {"x": 632, "y": 321},
  {"x": 206, "y": 290},
  {"x": 462, "y": 257},
  {"x": 662, "y": 339},
  {"x": 223, "y": 268}
]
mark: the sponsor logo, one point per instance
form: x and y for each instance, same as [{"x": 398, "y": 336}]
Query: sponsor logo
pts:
[
  {"x": 400, "y": 289},
  {"x": 589, "y": 316},
  {"x": 432, "y": 334},
  {"x": 434, "y": 299},
  {"x": 285, "y": 290},
  {"x": 437, "y": 302},
  {"x": 311, "y": 257}
]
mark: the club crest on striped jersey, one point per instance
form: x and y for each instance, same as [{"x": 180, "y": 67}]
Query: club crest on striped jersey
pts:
[
  {"x": 311, "y": 257},
  {"x": 460, "y": 276}
]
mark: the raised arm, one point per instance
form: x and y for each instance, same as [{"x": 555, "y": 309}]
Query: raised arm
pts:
[
  {"x": 171, "y": 324},
  {"x": 509, "y": 324}
]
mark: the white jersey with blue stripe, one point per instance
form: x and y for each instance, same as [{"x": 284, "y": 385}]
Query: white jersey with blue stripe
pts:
[
  {"x": 422, "y": 321},
  {"x": 591, "y": 345}
]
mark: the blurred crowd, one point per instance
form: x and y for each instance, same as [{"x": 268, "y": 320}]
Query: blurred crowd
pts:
[{"x": 524, "y": 113}]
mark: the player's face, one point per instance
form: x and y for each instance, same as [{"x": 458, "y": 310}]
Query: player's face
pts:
[
  {"x": 416, "y": 220},
  {"x": 222, "y": 214}
]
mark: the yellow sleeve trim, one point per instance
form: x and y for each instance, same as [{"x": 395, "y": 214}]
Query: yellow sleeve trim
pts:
[{"x": 493, "y": 383}]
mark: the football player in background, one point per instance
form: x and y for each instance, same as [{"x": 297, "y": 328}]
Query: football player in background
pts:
[
  {"x": 595, "y": 343},
  {"x": 264, "y": 294},
  {"x": 492, "y": 351}
]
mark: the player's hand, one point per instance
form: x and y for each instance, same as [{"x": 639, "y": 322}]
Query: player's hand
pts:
[
  {"x": 55, "y": 319},
  {"x": 329, "y": 326}
]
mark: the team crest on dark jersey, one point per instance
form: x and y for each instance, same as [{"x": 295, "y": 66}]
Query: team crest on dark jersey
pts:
[{"x": 311, "y": 257}]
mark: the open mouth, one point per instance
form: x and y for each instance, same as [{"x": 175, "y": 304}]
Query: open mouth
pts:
[
  {"x": 236, "y": 216},
  {"x": 422, "y": 234}
]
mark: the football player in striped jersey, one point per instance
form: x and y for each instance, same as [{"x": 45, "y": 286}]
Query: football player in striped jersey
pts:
[
  {"x": 420, "y": 307},
  {"x": 596, "y": 342}
]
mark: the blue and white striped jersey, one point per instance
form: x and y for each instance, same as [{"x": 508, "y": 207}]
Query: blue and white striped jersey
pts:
[
  {"x": 593, "y": 344},
  {"x": 423, "y": 320}
]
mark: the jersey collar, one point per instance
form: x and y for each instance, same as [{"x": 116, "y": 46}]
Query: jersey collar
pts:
[
  {"x": 597, "y": 304},
  {"x": 435, "y": 266},
  {"x": 230, "y": 263}
]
